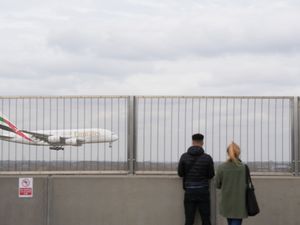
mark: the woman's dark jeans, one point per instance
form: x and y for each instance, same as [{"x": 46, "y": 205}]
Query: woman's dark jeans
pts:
[{"x": 234, "y": 221}]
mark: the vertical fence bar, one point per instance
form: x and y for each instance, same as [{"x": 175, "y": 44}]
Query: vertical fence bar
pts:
[
  {"x": 165, "y": 106},
  {"x": 57, "y": 115},
  {"x": 241, "y": 120},
  {"x": 205, "y": 118},
  {"x": 84, "y": 130},
  {"x": 104, "y": 124},
  {"x": 144, "y": 133},
  {"x": 98, "y": 126},
  {"x": 199, "y": 114},
  {"x": 71, "y": 119},
  {"x": 213, "y": 126},
  {"x": 247, "y": 139},
  {"x": 16, "y": 111},
  {"x": 185, "y": 121},
  {"x": 233, "y": 119},
  {"x": 8, "y": 143},
  {"x": 77, "y": 127},
  {"x": 275, "y": 135},
  {"x": 268, "y": 133},
  {"x": 131, "y": 134},
  {"x": 220, "y": 120},
  {"x": 135, "y": 133},
  {"x": 64, "y": 127},
  {"x": 118, "y": 133},
  {"x": 282, "y": 133},
  {"x": 23, "y": 122},
  {"x": 178, "y": 126},
  {"x": 295, "y": 135},
  {"x": 171, "y": 153},
  {"x": 261, "y": 133},
  {"x": 157, "y": 133},
  {"x": 254, "y": 134},
  {"x": 36, "y": 128},
  {"x": 290, "y": 131},
  {"x": 151, "y": 119}
]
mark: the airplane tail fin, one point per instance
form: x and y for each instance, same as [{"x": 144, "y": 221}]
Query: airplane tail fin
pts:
[{"x": 7, "y": 125}]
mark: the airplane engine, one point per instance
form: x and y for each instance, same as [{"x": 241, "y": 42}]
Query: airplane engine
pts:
[
  {"x": 72, "y": 141},
  {"x": 54, "y": 139}
]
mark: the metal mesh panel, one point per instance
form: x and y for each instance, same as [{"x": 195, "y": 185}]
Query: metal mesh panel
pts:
[
  {"x": 260, "y": 125},
  {"x": 77, "y": 118}
]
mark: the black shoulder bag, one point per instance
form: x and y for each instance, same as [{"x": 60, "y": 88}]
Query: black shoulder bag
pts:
[{"x": 251, "y": 202}]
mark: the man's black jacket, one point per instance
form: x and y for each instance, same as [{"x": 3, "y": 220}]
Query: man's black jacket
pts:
[{"x": 196, "y": 168}]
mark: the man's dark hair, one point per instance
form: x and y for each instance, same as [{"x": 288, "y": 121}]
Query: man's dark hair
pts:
[{"x": 198, "y": 137}]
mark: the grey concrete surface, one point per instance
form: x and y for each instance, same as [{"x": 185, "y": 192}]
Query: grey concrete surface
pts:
[
  {"x": 117, "y": 201},
  {"x": 16, "y": 211},
  {"x": 131, "y": 200}
]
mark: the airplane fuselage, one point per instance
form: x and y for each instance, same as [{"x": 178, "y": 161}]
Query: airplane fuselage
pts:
[{"x": 67, "y": 137}]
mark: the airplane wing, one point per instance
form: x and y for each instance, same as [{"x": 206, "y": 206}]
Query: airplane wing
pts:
[
  {"x": 39, "y": 136},
  {"x": 44, "y": 137}
]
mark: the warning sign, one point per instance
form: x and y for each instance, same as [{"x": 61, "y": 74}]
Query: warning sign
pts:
[{"x": 25, "y": 187}]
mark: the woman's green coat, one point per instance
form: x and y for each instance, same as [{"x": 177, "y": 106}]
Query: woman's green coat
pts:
[{"x": 231, "y": 179}]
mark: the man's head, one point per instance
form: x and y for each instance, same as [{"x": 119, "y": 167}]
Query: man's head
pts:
[{"x": 198, "y": 140}]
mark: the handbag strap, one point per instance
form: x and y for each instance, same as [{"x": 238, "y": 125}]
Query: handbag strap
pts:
[{"x": 248, "y": 176}]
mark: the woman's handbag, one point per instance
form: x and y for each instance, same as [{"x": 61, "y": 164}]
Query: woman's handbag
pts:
[{"x": 251, "y": 202}]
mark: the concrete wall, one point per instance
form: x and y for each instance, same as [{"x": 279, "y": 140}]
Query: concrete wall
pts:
[
  {"x": 15, "y": 211},
  {"x": 130, "y": 200}
]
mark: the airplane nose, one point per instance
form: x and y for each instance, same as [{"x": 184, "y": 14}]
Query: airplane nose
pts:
[{"x": 115, "y": 137}]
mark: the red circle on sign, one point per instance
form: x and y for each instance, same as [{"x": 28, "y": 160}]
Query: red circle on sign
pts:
[{"x": 25, "y": 183}]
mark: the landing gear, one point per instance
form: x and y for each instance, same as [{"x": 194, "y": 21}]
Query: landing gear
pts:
[{"x": 56, "y": 148}]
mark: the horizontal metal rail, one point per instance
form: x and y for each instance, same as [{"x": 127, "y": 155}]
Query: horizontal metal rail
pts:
[
  {"x": 60, "y": 97},
  {"x": 173, "y": 173},
  {"x": 217, "y": 97},
  {"x": 78, "y": 172}
]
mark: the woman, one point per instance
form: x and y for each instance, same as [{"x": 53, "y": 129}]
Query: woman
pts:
[{"x": 231, "y": 179}]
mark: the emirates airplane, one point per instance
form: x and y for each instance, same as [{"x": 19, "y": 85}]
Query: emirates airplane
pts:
[{"x": 55, "y": 139}]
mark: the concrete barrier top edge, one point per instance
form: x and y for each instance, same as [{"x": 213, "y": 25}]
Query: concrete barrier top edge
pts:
[{"x": 137, "y": 177}]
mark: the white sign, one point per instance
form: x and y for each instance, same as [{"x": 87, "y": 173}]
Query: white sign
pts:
[{"x": 25, "y": 187}]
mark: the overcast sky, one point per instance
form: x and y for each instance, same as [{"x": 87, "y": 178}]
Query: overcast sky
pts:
[{"x": 167, "y": 47}]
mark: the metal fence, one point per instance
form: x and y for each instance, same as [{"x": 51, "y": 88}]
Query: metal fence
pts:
[
  {"x": 66, "y": 117},
  {"x": 260, "y": 125},
  {"x": 152, "y": 132}
]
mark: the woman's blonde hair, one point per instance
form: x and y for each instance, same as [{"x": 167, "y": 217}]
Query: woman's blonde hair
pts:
[{"x": 233, "y": 151}]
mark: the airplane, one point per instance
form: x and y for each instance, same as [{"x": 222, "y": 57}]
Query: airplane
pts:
[{"x": 55, "y": 139}]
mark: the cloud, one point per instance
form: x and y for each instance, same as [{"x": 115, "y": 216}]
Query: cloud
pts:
[{"x": 150, "y": 47}]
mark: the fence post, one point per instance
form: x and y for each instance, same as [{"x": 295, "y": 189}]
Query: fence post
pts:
[
  {"x": 295, "y": 135},
  {"x": 131, "y": 134}
]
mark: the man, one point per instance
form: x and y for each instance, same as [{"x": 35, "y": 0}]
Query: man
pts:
[{"x": 196, "y": 168}]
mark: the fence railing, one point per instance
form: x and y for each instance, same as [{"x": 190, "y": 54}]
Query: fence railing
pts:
[
  {"x": 68, "y": 123},
  {"x": 144, "y": 133}
]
